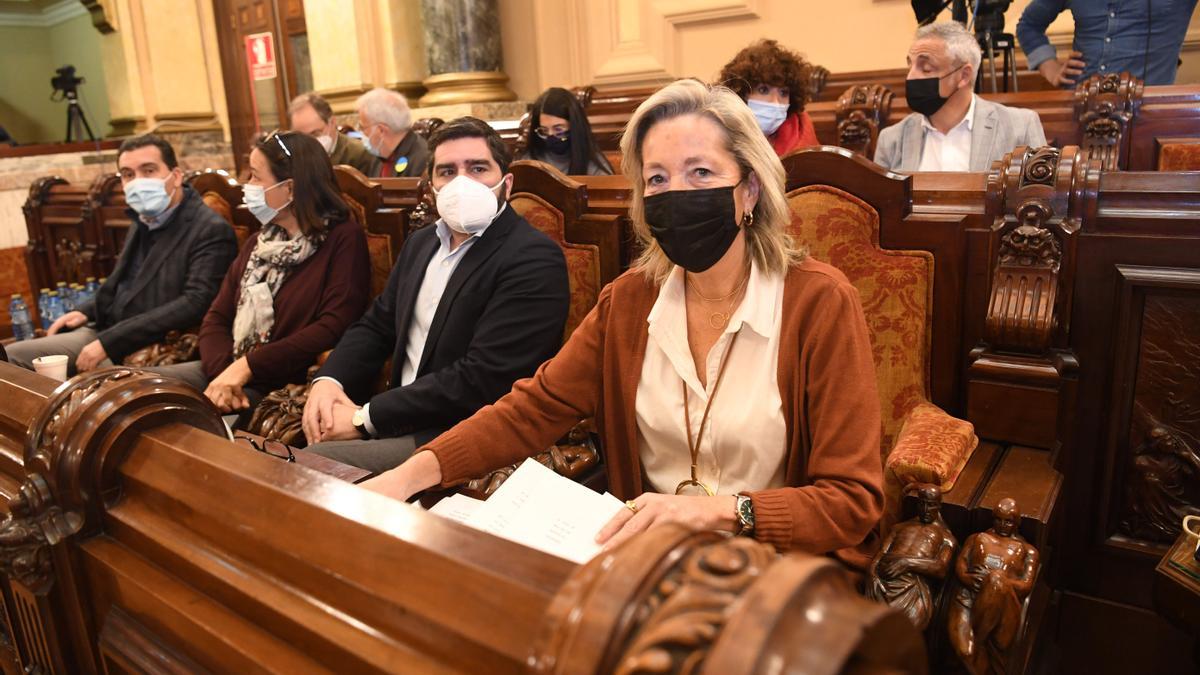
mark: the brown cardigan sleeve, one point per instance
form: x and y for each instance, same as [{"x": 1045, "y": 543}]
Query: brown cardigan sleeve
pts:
[
  {"x": 841, "y": 501},
  {"x": 536, "y": 413}
]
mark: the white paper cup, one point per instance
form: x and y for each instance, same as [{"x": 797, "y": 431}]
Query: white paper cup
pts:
[{"x": 53, "y": 366}]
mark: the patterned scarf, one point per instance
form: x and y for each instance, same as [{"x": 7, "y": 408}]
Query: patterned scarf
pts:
[{"x": 273, "y": 258}]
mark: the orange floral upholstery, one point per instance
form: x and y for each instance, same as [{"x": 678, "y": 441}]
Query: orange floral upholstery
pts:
[
  {"x": 379, "y": 247},
  {"x": 919, "y": 440},
  {"x": 583, "y": 260},
  {"x": 930, "y": 447},
  {"x": 1179, "y": 157}
]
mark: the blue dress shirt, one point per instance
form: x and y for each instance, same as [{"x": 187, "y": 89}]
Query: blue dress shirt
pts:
[{"x": 1141, "y": 37}]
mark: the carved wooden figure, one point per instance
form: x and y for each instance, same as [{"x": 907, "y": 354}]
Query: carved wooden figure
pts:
[
  {"x": 915, "y": 554},
  {"x": 996, "y": 571}
]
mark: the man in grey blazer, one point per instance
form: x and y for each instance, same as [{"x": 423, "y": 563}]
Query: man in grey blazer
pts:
[
  {"x": 175, "y": 256},
  {"x": 951, "y": 129}
]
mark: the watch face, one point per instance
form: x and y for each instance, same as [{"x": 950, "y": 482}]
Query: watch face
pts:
[
  {"x": 746, "y": 510},
  {"x": 357, "y": 419}
]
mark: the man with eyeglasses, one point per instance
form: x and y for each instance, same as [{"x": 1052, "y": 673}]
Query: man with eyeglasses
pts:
[
  {"x": 385, "y": 122},
  {"x": 473, "y": 304},
  {"x": 950, "y": 128},
  {"x": 175, "y": 256},
  {"x": 311, "y": 114}
]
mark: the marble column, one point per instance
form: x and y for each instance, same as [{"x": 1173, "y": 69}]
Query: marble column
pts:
[{"x": 462, "y": 46}]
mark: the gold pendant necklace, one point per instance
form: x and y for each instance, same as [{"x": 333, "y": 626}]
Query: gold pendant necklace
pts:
[
  {"x": 688, "y": 485},
  {"x": 718, "y": 320}
]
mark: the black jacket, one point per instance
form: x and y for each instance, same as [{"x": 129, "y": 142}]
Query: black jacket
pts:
[
  {"x": 501, "y": 316},
  {"x": 174, "y": 285}
]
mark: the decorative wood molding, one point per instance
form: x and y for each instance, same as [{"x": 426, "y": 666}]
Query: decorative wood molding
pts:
[
  {"x": 34, "y": 524},
  {"x": 1036, "y": 194},
  {"x": 684, "y": 593},
  {"x": 1152, "y": 464},
  {"x": 1105, "y": 106},
  {"x": 73, "y": 443},
  {"x": 104, "y": 15},
  {"x": 861, "y": 112},
  {"x": 688, "y": 12}
]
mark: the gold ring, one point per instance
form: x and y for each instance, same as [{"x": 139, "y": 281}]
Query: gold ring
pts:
[{"x": 631, "y": 505}]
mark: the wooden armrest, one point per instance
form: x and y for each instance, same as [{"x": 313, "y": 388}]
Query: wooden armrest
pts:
[
  {"x": 176, "y": 347},
  {"x": 576, "y": 456}
]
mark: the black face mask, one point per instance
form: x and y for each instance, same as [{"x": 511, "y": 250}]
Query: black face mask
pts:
[
  {"x": 694, "y": 227},
  {"x": 924, "y": 94},
  {"x": 558, "y": 145}
]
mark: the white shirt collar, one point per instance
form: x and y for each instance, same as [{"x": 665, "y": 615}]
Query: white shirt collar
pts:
[
  {"x": 968, "y": 120},
  {"x": 443, "y": 230}
]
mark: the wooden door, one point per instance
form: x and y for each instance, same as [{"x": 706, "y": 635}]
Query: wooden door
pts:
[{"x": 249, "y": 32}]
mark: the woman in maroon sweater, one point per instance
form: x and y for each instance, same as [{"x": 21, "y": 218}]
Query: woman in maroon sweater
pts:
[{"x": 293, "y": 289}]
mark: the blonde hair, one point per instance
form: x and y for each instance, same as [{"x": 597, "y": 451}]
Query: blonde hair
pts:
[{"x": 767, "y": 240}]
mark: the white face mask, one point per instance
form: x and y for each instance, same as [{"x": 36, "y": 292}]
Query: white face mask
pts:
[
  {"x": 255, "y": 197},
  {"x": 326, "y": 142},
  {"x": 467, "y": 205},
  {"x": 147, "y": 196},
  {"x": 770, "y": 116}
]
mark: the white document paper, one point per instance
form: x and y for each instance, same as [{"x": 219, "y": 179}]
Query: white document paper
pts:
[{"x": 540, "y": 509}]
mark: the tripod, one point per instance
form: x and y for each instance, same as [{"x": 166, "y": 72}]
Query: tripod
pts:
[
  {"x": 991, "y": 42},
  {"x": 76, "y": 120}
]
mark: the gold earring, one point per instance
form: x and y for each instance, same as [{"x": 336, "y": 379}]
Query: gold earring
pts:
[{"x": 748, "y": 219}]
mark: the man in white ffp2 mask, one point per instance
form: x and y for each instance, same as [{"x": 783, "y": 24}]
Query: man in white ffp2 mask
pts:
[{"x": 475, "y": 302}]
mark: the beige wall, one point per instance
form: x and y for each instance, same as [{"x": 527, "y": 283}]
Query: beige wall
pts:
[
  {"x": 628, "y": 42},
  {"x": 29, "y": 56}
]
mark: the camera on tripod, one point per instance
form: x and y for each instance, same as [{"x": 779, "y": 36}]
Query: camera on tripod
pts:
[{"x": 66, "y": 84}]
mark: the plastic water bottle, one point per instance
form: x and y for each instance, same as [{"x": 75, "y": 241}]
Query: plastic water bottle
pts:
[
  {"x": 22, "y": 325},
  {"x": 43, "y": 296},
  {"x": 92, "y": 287},
  {"x": 78, "y": 295},
  {"x": 54, "y": 306}
]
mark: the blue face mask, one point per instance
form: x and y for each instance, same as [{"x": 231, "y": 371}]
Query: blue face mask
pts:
[
  {"x": 147, "y": 196},
  {"x": 371, "y": 147},
  {"x": 255, "y": 197},
  {"x": 770, "y": 116}
]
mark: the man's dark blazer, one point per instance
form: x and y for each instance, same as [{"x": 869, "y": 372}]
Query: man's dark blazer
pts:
[
  {"x": 501, "y": 316},
  {"x": 175, "y": 283}
]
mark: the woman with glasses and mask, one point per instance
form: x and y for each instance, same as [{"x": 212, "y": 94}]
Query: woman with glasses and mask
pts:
[
  {"x": 294, "y": 288},
  {"x": 561, "y": 136},
  {"x": 773, "y": 81},
  {"x": 730, "y": 375}
]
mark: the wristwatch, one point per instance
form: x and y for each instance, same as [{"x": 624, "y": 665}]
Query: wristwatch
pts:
[
  {"x": 359, "y": 420},
  {"x": 745, "y": 514}
]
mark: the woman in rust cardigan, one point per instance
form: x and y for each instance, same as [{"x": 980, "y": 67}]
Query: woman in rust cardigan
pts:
[
  {"x": 293, "y": 289},
  {"x": 730, "y": 375}
]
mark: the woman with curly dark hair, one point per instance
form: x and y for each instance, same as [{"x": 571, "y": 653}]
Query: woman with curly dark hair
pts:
[{"x": 773, "y": 81}]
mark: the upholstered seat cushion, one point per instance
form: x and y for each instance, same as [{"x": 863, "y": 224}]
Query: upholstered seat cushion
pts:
[{"x": 932, "y": 447}]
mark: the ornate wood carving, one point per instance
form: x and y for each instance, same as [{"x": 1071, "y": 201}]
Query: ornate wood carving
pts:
[
  {"x": 861, "y": 112},
  {"x": 280, "y": 414},
  {"x": 915, "y": 557},
  {"x": 175, "y": 348},
  {"x": 817, "y": 77},
  {"x": 1037, "y": 196},
  {"x": 684, "y": 593},
  {"x": 74, "y": 442},
  {"x": 425, "y": 212},
  {"x": 1105, "y": 106},
  {"x": 1161, "y": 470},
  {"x": 37, "y": 249},
  {"x": 574, "y": 456},
  {"x": 34, "y": 524},
  {"x": 995, "y": 573},
  {"x": 426, "y": 126}
]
